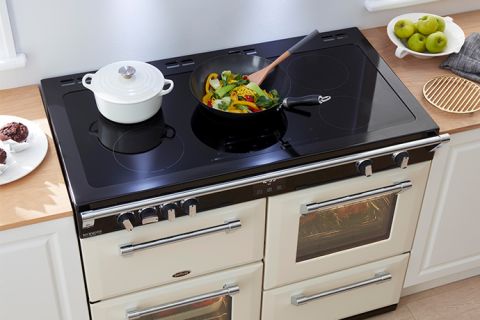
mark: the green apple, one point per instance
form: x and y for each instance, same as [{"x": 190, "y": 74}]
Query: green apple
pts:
[
  {"x": 441, "y": 24},
  {"x": 404, "y": 28},
  {"x": 427, "y": 25},
  {"x": 417, "y": 42},
  {"x": 436, "y": 42}
]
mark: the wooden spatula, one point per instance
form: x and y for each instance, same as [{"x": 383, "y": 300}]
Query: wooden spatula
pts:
[{"x": 261, "y": 74}]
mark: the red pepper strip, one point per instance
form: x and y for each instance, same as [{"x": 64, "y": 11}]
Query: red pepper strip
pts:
[{"x": 249, "y": 98}]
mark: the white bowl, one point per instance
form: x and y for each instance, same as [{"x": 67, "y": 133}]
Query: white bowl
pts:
[{"x": 455, "y": 37}]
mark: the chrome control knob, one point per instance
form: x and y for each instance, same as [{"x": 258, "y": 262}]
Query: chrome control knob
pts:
[
  {"x": 365, "y": 167},
  {"x": 167, "y": 211},
  {"x": 189, "y": 206},
  {"x": 148, "y": 215},
  {"x": 401, "y": 159},
  {"x": 126, "y": 220}
]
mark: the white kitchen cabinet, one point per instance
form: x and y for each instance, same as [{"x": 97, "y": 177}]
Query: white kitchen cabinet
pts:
[
  {"x": 447, "y": 240},
  {"x": 40, "y": 273}
]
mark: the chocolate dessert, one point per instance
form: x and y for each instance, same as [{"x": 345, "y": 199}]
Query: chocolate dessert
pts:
[
  {"x": 3, "y": 156},
  {"x": 16, "y": 131}
]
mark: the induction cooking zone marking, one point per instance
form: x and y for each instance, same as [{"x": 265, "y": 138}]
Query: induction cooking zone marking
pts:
[
  {"x": 166, "y": 155},
  {"x": 143, "y": 139},
  {"x": 356, "y": 113},
  {"x": 360, "y": 114},
  {"x": 319, "y": 72}
]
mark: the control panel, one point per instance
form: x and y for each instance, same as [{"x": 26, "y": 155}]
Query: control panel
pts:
[{"x": 163, "y": 212}]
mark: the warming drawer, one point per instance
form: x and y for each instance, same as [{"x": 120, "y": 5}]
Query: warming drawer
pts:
[
  {"x": 159, "y": 253},
  {"x": 340, "y": 294}
]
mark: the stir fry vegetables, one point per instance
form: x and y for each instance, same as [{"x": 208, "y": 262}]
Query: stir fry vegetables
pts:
[{"x": 232, "y": 92}]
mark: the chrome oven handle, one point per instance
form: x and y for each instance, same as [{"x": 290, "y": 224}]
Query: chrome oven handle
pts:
[
  {"x": 227, "y": 226},
  {"x": 300, "y": 299},
  {"x": 228, "y": 290},
  {"x": 399, "y": 187}
]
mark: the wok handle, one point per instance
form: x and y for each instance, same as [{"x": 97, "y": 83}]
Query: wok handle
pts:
[
  {"x": 311, "y": 100},
  {"x": 299, "y": 44}
]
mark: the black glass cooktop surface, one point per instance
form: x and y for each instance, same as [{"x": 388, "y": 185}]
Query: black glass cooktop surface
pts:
[{"x": 183, "y": 146}]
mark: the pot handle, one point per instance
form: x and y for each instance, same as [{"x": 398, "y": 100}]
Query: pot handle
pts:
[
  {"x": 85, "y": 78},
  {"x": 169, "y": 132},
  {"x": 169, "y": 89},
  {"x": 310, "y": 100},
  {"x": 93, "y": 128}
]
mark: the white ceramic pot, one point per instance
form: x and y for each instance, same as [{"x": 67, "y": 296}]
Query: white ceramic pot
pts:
[{"x": 128, "y": 91}]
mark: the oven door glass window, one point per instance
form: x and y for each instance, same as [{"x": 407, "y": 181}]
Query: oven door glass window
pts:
[
  {"x": 343, "y": 226},
  {"x": 219, "y": 308}
]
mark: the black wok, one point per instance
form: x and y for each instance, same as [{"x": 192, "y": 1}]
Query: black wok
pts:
[
  {"x": 236, "y": 137},
  {"x": 247, "y": 64}
]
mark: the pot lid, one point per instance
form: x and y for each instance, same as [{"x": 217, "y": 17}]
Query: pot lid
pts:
[{"x": 127, "y": 82}]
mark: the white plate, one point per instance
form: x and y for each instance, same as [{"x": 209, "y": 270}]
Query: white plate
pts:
[
  {"x": 22, "y": 163},
  {"x": 455, "y": 37}
]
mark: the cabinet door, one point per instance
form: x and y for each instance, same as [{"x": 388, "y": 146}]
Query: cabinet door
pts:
[
  {"x": 40, "y": 273},
  {"x": 447, "y": 237}
]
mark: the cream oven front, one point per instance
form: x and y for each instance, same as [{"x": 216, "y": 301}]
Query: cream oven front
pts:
[{"x": 328, "y": 228}]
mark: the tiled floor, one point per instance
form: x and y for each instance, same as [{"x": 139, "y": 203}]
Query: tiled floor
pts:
[{"x": 456, "y": 301}]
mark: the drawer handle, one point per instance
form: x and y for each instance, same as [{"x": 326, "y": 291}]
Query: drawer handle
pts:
[
  {"x": 228, "y": 290},
  {"x": 300, "y": 299},
  {"x": 399, "y": 187},
  {"x": 227, "y": 226}
]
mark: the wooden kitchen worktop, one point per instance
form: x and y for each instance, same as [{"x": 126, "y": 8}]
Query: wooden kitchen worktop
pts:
[
  {"x": 416, "y": 72},
  {"x": 42, "y": 194}
]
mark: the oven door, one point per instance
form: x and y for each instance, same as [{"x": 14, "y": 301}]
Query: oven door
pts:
[
  {"x": 322, "y": 229},
  {"x": 122, "y": 262},
  {"x": 234, "y": 294}
]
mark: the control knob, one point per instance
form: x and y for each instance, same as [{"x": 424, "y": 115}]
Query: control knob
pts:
[
  {"x": 401, "y": 159},
  {"x": 167, "y": 211},
  {"x": 189, "y": 206},
  {"x": 148, "y": 215},
  {"x": 126, "y": 220},
  {"x": 365, "y": 167}
]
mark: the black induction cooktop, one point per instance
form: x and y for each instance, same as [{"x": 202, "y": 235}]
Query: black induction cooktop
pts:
[{"x": 183, "y": 147}]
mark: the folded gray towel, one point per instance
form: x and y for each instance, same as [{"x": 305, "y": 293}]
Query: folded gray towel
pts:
[{"x": 466, "y": 63}]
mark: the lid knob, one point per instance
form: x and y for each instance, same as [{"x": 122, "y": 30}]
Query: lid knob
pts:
[{"x": 127, "y": 71}]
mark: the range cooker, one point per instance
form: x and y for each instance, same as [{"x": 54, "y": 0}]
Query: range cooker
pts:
[{"x": 141, "y": 192}]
